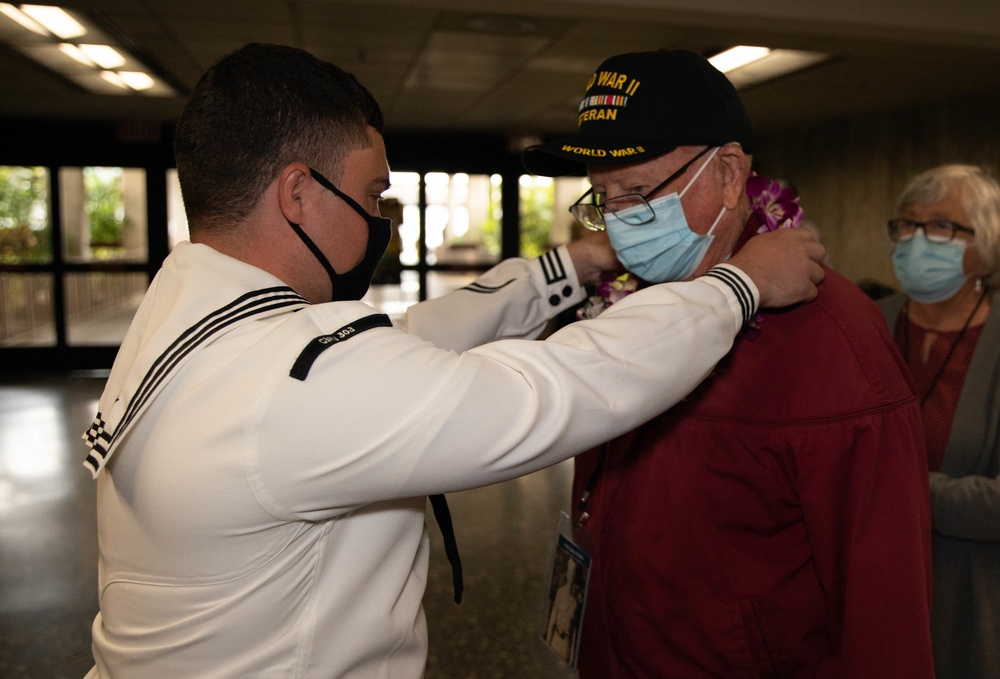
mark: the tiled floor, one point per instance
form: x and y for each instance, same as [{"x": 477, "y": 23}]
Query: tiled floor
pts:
[{"x": 48, "y": 551}]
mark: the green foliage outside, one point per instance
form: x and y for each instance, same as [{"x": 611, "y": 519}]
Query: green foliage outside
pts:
[
  {"x": 489, "y": 232},
  {"x": 536, "y": 219},
  {"x": 536, "y": 222},
  {"x": 25, "y": 229},
  {"x": 105, "y": 207}
]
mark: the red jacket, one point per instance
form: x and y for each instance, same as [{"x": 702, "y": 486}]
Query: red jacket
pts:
[{"x": 776, "y": 524}]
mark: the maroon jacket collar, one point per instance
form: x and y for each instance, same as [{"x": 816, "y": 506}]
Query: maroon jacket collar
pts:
[{"x": 749, "y": 231}]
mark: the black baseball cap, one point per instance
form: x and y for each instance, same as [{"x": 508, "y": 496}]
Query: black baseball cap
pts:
[{"x": 641, "y": 105}]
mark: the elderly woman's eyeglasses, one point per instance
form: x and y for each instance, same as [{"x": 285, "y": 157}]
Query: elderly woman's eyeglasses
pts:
[
  {"x": 938, "y": 231},
  {"x": 591, "y": 215}
]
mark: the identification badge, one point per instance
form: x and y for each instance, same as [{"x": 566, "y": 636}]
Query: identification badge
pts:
[{"x": 568, "y": 591}]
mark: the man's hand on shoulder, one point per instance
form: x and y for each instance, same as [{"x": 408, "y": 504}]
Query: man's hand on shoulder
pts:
[
  {"x": 592, "y": 255},
  {"x": 784, "y": 265}
]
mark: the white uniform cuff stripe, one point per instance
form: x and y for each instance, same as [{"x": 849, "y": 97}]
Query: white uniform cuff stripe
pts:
[{"x": 739, "y": 287}]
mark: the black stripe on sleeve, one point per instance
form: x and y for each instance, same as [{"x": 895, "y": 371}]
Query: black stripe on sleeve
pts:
[
  {"x": 486, "y": 289},
  {"x": 739, "y": 287},
  {"x": 552, "y": 267}
]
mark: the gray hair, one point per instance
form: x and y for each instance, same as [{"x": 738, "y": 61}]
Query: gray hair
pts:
[{"x": 980, "y": 196}]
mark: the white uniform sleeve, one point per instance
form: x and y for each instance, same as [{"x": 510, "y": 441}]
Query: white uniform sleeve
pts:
[
  {"x": 388, "y": 416},
  {"x": 514, "y": 299}
]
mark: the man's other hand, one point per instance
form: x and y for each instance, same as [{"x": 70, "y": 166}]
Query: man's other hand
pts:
[
  {"x": 592, "y": 255},
  {"x": 784, "y": 265}
]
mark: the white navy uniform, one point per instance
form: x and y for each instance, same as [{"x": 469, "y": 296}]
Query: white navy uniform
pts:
[{"x": 263, "y": 464}]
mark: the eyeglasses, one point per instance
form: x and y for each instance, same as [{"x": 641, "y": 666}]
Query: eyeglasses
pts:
[
  {"x": 937, "y": 231},
  {"x": 591, "y": 215}
]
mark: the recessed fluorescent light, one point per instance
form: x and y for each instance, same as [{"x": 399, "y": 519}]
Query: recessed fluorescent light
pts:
[
  {"x": 777, "y": 63},
  {"x": 97, "y": 65},
  {"x": 56, "y": 20},
  {"x": 104, "y": 56},
  {"x": 76, "y": 54},
  {"x": 738, "y": 56},
  {"x": 137, "y": 80},
  {"x": 114, "y": 79},
  {"x": 20, "y": 17}
]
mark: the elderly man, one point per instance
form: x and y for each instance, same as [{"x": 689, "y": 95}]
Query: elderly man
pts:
[
  {"x": 775, "y": 523},
  {"x": 266, "y": 442}
]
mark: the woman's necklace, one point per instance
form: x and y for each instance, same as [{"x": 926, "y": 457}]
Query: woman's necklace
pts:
[{"x": 951, "y": 350}]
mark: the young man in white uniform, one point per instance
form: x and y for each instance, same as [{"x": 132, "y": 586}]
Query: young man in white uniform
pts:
[{"x": 263, "y": 454}]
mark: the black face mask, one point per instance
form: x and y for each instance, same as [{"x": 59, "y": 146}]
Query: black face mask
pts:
[{"x": 353, "y": 284}]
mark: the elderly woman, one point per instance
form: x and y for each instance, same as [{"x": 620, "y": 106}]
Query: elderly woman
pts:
[{"x": 946, "y": 254}]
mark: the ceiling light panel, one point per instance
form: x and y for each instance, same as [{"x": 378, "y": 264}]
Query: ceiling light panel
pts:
[
  {"x": 738, "y": 56},
  {"x": 105, "y": 56},
  {"x": 22, "y": 19},
  {"x": 76, "y": 49},
  {"x": 76, "y": 54},
  {"x": 775, "y": 64},
  {"x": 137, "y": 80},
  {"x": 56, "y": 20}
]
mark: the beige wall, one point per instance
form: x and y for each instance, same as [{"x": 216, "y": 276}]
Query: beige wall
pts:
[{"x": 849, "y": 171}]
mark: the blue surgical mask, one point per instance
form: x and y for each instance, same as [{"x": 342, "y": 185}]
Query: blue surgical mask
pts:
[
  {"x": 665, "y": 249},
  {"x": 929, "y": 272}
]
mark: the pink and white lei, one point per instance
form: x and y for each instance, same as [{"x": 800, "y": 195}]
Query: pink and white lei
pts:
[
  {"x": 611, "y": 289},
  {"x": 775, "y": 206}
]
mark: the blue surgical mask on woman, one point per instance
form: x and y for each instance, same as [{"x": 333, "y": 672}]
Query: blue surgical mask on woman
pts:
[
  {"x": 929, "y": 272},
  {"x": 665, "y": 249}
]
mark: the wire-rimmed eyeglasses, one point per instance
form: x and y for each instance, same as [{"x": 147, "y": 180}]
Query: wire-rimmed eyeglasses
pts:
[
  {"x": 936, "y": 231},
  {"x": 591, "y": 215}
]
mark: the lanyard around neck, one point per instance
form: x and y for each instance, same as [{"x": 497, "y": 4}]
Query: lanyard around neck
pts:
[{"x": 951, "y": 350}]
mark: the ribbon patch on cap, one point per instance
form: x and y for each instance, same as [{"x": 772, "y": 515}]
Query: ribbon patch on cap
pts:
[{"x": 606, "y": 106}]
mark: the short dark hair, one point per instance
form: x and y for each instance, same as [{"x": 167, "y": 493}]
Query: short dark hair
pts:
[{"x": 254, "y": 112}]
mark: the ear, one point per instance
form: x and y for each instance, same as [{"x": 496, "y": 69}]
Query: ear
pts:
[
  {"x": 292, "y": 182},
  {"x": 735, "y": 166}
]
